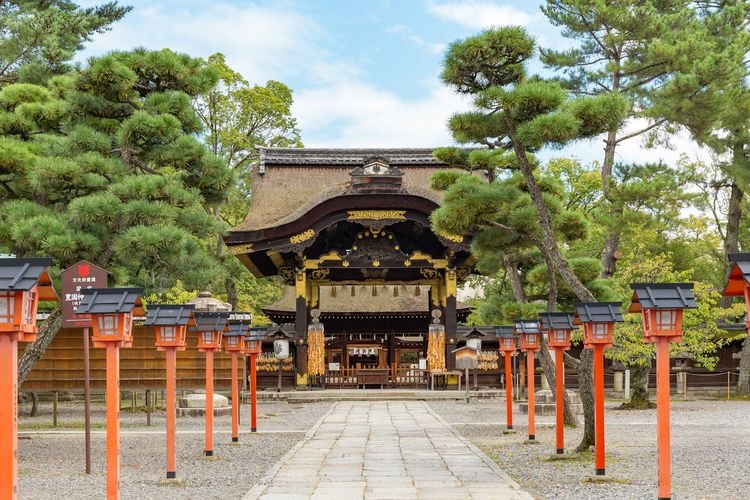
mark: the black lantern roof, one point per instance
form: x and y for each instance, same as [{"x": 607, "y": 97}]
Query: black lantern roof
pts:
[
  {"x": 256, "y": 333},
  {"x": 23, "y": 274},
  {"x": 475, "y": 333},
  {"x": 210, "y": 321},
  {"x": 169, "y": 314},
  {"x": 558, "y": 321},
  {"x": 598, "y": 312},
  {"x": 505, "y": 331},
  {"x": 109, "y": 300},
  {"x": 278, "y": 333},
  {"x": 239, "y": 323},
  {"x": 527, "y": 326},
  {"x": 662, "y": 296}
]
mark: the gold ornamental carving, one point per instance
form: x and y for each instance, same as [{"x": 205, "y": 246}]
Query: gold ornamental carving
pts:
[
  {"x": 453, "y": 238},
  {"x": 320, "y": 274},
  {"x": 240, "y": 249},
  {"x": 377, "y": 214},
  {"x": 301, "y": 237},
  {"x": 429, "y": 273}
]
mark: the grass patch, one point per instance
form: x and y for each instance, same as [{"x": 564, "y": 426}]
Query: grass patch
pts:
[
  {"x": 576, "y": 458},
  {"x": 606, "y": 480}
]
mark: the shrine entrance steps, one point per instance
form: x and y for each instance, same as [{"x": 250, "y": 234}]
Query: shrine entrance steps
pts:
[
  {"x": 385, "y": 450},
  {"x": 385, "y": 395}
]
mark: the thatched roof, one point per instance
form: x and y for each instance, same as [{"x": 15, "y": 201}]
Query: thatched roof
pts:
[
  {"x": 363, "y": 299},
  {"x": 290, "y": 181}
]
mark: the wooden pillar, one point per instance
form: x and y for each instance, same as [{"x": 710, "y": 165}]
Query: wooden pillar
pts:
[
  {"x": 302, "y": 301},
  {"x": 448, "y": 300}
]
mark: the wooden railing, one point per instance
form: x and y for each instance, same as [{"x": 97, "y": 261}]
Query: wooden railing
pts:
[{"x": 397, "y": 377}]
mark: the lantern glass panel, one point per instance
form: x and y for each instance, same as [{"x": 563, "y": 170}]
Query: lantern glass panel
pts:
[
  {"x": 560, "y": 336},
  {"x": 207, "y": 337},
  {"x": 232, "y": 341},
  {"x": 509, "y": 342},
  {"x": 7, "y": 306},
  {"x": 531, "y": 338},
  {"x": 108, "y": 324},
  {"x": 168, "y": 333},
  {"x": 599, "y": 331},
  {"x": 666, "y": 320},
  {"x": 29, "y": 312}
]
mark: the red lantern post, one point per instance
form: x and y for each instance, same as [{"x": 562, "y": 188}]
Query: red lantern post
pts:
[
  {"x": 530, "y": 335},
  {"x": 598, "y": 320},
  {"x": 558, "y": 327},
  {"x": 170, "y": 323},
  {"x": 253, "y": 345},
  {"x": 210, "y": 327},
  {"x": 508, "y": 347},
  {"x": 111, "y": 310},
  {"x": 234, "y": 344},
  {"x": 23, "y": 282},
  {"x": 661, "y": 306}
]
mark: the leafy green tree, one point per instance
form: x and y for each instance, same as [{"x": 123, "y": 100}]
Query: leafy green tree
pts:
[
  {"x": 239, "y": 118},
  {"x": 39, "y": 38},
  {"x": 518, "y": 114},
  {"x": 105, "y": 165},
  {"x": 660, "y": 56}
]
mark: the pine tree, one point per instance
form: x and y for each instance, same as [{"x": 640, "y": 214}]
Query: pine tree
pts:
[
  {"x": 105, "y": 165},
  {"x": 40, "y": 37},
  {"x": 520, "y": 114}
]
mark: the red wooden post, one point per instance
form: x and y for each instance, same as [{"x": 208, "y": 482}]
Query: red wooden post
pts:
[
  {"x": 599, "y": 460},
  {"x": 530, "y": 334},
  {"x": 508, "y": 392},
  {"x": 253, "y": 393},
  {"x": 559, "y": 402},
  {"x": 235, "y": 401},
  {"x": 113, "y": 421},
  {"x": 598, "y": 320},
  {"x": 530, "y": 389},
  {"x": 661, "y": 306},
  {"x": 171, "y": 354},
  {"x": 8, "y": 416},
  {"x": 209, "y": 448}
]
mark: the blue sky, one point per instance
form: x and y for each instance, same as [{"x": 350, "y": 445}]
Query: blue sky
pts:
[{"x": 365, "y": 73}]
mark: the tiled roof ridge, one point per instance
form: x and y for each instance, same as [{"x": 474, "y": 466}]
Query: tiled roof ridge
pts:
[{"x": 346, "y": 156}]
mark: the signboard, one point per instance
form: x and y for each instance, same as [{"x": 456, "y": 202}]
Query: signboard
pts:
[
  {"x": 74, "y": 279},
  {"x": 334, "y": 367},
  {"x": 422, "y": 363},
  {"x": 466, "y": 358}
]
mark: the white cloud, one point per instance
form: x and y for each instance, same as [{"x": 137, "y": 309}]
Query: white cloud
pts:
[
  {"x": 408, "y": 33},
  {"x": 478, "y": 13},
  {"x": 273, "y": 42},
  {"x": 366, "y": 116}
]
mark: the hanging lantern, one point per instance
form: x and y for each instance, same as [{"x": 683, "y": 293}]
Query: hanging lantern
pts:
[
  {"x": 280, "y": 344},
  {"x": 210, "y": 326},
  {"x": 417, "y": 291},
  {"x": 474, "y": 338},
  {"x": 558, "y": 327},
  {"x": 661, "y": 306},
  {"x": 507, "y": 338},
  {"x": 530, "y": 333},
  {"x": 598, "y": 320},
  {"x": 112, "y": 312},
  {"x": 170, "y": 323}
]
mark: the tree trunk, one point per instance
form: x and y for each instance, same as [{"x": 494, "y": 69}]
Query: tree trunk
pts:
[
  {"x": 743, "y": 382},
  {"x": 586, "y": 388},
  {"x": 548, "y": 367},
  {"x": 552, "y": 253},
  {"x": 231, "y": 293},
  {"x": 34, "y": 404},
  {"x": 639, "y": 399},
  {"x": 35, "y": 350},
  {"x": 511, "y": 268}
]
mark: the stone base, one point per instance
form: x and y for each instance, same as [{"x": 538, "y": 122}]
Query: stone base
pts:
[
  {"x": 194, "y": 405},
  {"x": 544, "y": 403}
]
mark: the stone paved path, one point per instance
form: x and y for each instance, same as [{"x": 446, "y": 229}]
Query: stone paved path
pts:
[{"x": 385, "y": 450}]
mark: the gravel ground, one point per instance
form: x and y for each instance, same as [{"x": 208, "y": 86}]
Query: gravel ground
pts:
[
  {"x": 51, "y": 461},
  {"x": 710, "y": 450}
]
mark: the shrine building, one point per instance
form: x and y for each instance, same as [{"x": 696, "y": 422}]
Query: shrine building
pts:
[{"x": 348, "y": 231}]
